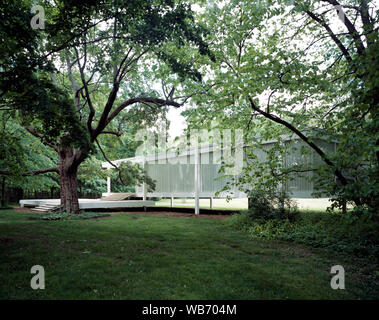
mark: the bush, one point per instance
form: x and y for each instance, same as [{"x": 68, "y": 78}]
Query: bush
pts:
[
  {"x": 241, "y": 221},
  {"x": 52, "y": 216},
  {"x": 273, "y": 215},
  {"x": 266, "y": 205},
  {"x": 6, "y": 208},
  {"x": 327, "y": 230},
  {"x": 68, "y": 216}
]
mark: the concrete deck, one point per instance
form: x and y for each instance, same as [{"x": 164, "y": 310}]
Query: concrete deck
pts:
[{"x": 91, "y": 203}]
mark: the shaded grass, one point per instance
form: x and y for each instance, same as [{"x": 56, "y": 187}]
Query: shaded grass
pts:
[{"x": 137, "y": 256}]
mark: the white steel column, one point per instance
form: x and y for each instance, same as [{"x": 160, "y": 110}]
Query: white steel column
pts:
[
  {"x": 172, "y": 201},
  {"x": 108, "y": 184},
  {"x": 197, "y": 179},
  {"x": 143, "y": 184},
  {"x": 211, "y": 202}
]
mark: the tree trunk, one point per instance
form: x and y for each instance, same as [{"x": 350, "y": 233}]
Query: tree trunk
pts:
[
  {"x": 19, "y": 193},
  {"x": 3, "y": 192},
  {"x": 69, "y": 191},
  {"x": 68, "y": 171}
]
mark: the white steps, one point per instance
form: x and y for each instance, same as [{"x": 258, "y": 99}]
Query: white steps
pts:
[{"x": 45, "y": 208}]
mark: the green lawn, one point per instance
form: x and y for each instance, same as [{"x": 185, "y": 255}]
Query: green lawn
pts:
[{"x": 145, "y": 256}]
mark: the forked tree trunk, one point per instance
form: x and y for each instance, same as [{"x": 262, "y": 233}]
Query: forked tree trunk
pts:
[{"x": 68, "y": 172}]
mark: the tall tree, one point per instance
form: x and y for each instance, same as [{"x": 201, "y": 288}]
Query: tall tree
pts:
[
  {"x": 301, "y": 65},
  {"x": 100, "y": 54}
]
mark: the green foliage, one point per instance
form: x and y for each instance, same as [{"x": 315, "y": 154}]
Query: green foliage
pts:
[
  {"x": 269, "y": 205},
  {"x": 52, "y": 216},
  {"x": 242, "y": 221},
  {"x": 264, "y": 206},
  {"x": 274, "y": 54},
  {"x": 91, "y": 176},
  {"x": 332, "y": 231},
  {"x": 22, "y": 153},
  {"x": 134, "y": 175},
  {"x": 64, "y": 80},
  {"x": 25, "y": 84},
  {"x": 6, "y": 208},
  {"x": 69, "y": 216}
]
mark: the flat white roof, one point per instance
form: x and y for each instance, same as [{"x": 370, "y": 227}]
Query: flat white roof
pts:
[{"x": 91, "y": 203}]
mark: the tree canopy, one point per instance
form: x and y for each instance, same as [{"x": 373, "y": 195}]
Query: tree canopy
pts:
[
  {"x": 102, "y": 69},
  {"x": 89, "y": 66},
  {"x": 307, "y": 68}
]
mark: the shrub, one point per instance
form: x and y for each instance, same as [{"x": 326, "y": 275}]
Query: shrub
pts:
[
  {"x": 327, "y": 230},
  {"x": 68, "y": 216},
  {"x": 6, "y": 208},
  {"x": 273, "y": 215},
  {"x": 267, "y": 205},
  {"x": 240, "y": 221},
  {"x": 271, "y": 207}
]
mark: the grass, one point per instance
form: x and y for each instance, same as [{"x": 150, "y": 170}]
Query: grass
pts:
[{"x": 146, "y": 256}]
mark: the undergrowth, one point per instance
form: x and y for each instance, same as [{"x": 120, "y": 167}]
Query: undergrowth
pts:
[
  {"x": 68, "y": 216},
  {"x": 334, "y": 231}
]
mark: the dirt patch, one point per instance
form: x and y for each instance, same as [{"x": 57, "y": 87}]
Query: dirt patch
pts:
[
  {"x": 136, "y": 213},
  {"x": 23, "y": 209},
  {"x": 96, "y": 218},
  {"x": 176, "y": 214},
  {"x": 253, "y": 252},
  {"x": 298, "y": 251},
  {"x": 304, "y": 252}
]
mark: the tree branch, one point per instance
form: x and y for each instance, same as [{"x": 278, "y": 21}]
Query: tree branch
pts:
[
  {"x": 145, "y": 100},
  {"x": 331, "y": 34},
  {"x": 31, "y": 173},
  {"x": 73, "y": 81},
  {"x": 85, "y": 86},
  {"x": 108, "y": 106},
  {"x": 321, "y": 153},
  {"x": 110, "y": 162},
  {"x": 350, "y": 27},
  {"x": 118, "y": 134},
  {"x": 368, "y": 27},
  {"x": 36, "y": 134}
]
